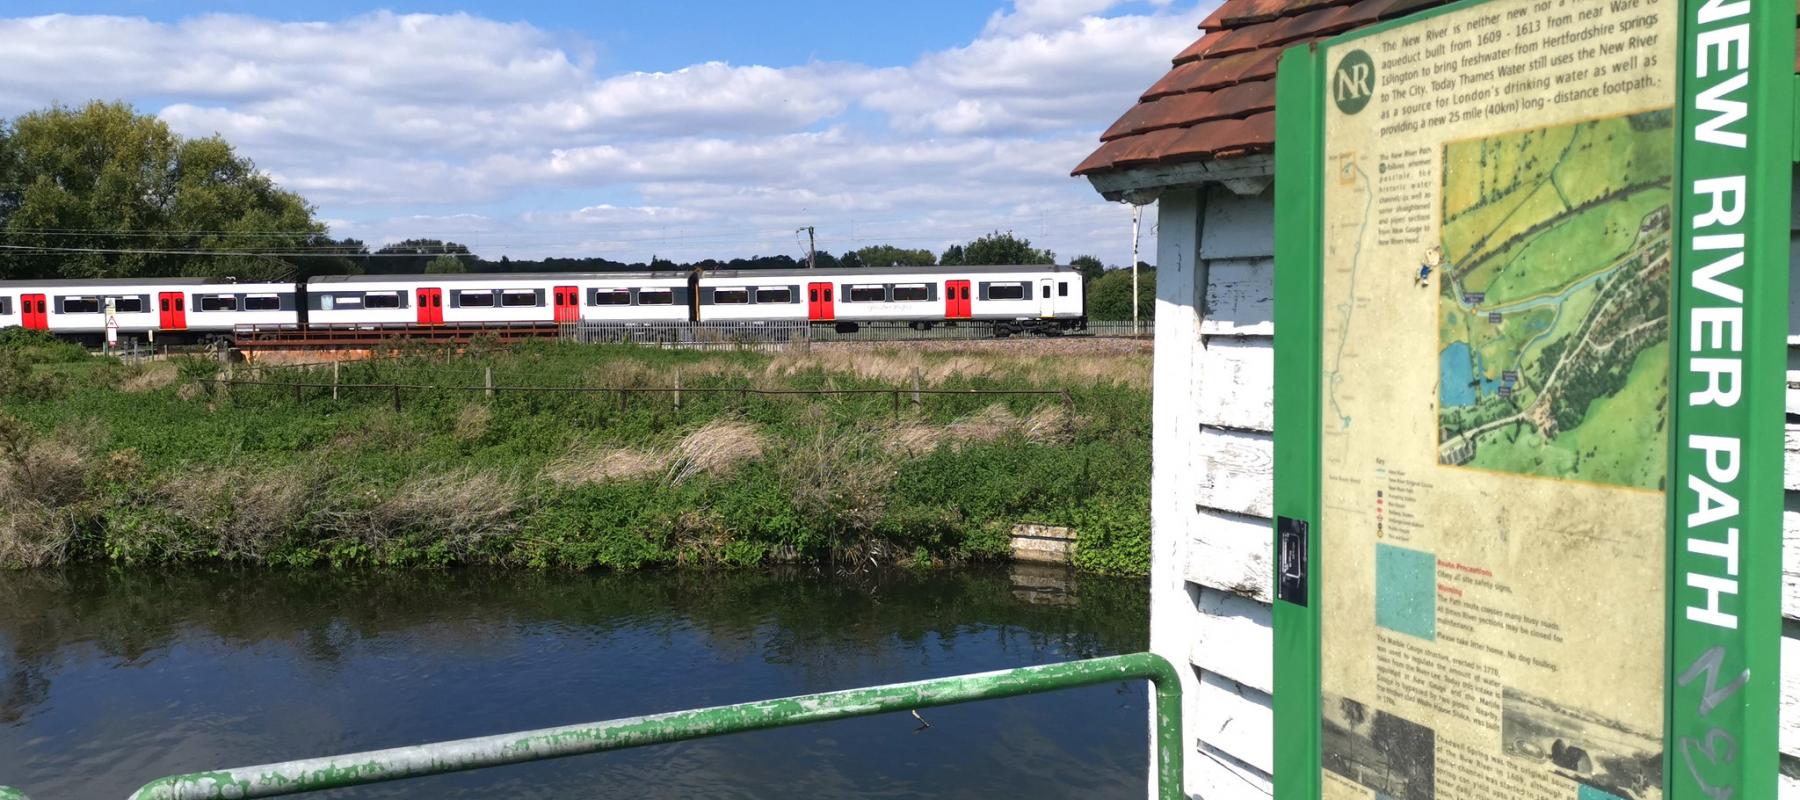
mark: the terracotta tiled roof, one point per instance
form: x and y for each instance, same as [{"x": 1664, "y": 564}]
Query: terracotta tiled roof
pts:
[{"x": 1219, "y": 99}]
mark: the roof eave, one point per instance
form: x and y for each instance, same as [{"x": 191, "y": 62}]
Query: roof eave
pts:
[{"x": 1244, "y": 175}]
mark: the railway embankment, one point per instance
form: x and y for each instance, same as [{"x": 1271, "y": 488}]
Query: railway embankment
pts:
[{"x": 558, "y": 456}]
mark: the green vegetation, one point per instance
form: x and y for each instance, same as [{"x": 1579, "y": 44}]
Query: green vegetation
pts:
[
  {"x": 1109, "y": 298},
  {"x": 104, "y": 461}
]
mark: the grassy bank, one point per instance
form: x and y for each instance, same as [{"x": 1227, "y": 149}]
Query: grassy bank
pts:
[{"x": 150, "y": 464}]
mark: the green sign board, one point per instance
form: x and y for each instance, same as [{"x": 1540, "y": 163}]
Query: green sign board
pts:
[{"x": 1531, "y": 288}]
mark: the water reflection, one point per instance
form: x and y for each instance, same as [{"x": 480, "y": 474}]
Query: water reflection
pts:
[{"x": 110, "y": 677}]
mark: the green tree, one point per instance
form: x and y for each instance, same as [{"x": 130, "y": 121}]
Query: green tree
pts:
[
  {"x": 106, "y": 192},
  {"x": 1089, "y": 267},
  {"x": 445, "y": 265},
  {"x": 887, "y": 255},
  {"x": 1109, "y": 298},
  {"x": 1001, "y": 248},
  {"x": 953, "y": 256},
  {"x": 413, "y": 256}
]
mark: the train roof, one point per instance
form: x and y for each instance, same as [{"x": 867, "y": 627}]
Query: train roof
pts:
[
  {"x": 103, "y": 282},
  {"x": 852, "y": 272},
  {"x": 464, "y": 277}
]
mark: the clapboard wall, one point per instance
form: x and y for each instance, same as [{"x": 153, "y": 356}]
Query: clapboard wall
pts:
[{"x": 1214, "y": 482}]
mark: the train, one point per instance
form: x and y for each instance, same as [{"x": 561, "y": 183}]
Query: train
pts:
[{"x": 1045, "y": 299}]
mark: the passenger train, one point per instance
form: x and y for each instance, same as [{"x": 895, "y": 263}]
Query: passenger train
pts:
[{"x": 1014, "y": 299}]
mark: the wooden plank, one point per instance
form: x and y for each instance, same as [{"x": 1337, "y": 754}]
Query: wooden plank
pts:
[
  {"x": 1791, "y": 469},
  {"x": 1240, "y": 297},
  {"x": 1214, "y": 774},
  {"x": 1789, "y": 738},
  {"x": 1790, "y": 559},
  {"x": 1236, "y": 471},
  {"x": 1231, "y": 553},
  {"x": 1236, "y": 382},
  {"x": 1235, "y": 637},
  {"x": 1235, "y": 719},
  {"x": 1236, "y": 227}
]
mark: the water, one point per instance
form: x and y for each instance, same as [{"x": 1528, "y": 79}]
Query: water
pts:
[
  {"x": 1458, "y": 371},
  {"x": 110, "y": 678}
]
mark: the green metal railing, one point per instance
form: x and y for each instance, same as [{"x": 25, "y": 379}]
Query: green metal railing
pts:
[{"x": 356, "y": 769}]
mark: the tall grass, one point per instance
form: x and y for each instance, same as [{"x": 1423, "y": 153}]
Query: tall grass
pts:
[{"x": 159, "y": 464}]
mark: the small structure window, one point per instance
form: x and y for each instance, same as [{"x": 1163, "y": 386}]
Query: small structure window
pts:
[
  {"x": 1006, "y": 291},
  {"x": 475, "y": 299},
  {"x": 609, "y": 297},
  {"x": 81, "y": 305},
  {"x": 1062, "y": 288},
  {"x": 774, "y": 294},
  {"x": 517, "y": 298},
  {"x": 656, "y": 297},
  {"x": 731, "y": 297},
  {"x": 868, "y": 294},
  {"x": 128, "y": 305},
  {"x": 262, "y": 302},
  {"x": 911, "y": 293},
  {"x": 382, "y": 300},
  {"x": 218, "y": 302}
]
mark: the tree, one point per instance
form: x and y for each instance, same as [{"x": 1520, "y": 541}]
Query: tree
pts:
[
  {"x": 413, "y": 256},
  {"x": 445, "y": 265},
  {"x": 953, "y": 256},
  {"x": 1109, "y": 298},
  {"x": 1089, "y": 267},
  {"x": 887, "y": 255},
  {"x": 1000, "y": 248},
  {"x": 110, "y": 193}
]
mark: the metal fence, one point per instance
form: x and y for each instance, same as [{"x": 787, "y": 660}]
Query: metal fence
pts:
[
  {"x": 358, "y": 769},
  {"x": 783, "y": 334}
]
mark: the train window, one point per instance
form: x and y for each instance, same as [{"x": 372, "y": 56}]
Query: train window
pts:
[
  {"x": 1062, "y": 288},
  {"x": 781, "y": 294},
  {"x": 609, "y": 297},
  {"x": 262, "y": 302},
  {"x": 910, "y": 292},
  {"x": 218, "y": 302},
  {"x": 731, "y": 297},
  {"x": 81, "y": 305},
  {"x": 381, "y": 300},
  {"x": 656, "y": 297},
  {"x": 868, "y": 294},
  {"x": 516, "y": 298},
  {"x": 5, "y": 306},
  {"x": 1046, "y": 292},
  {"x": 128, "y": 305},
  {"x": 473, "y": 299},
  {"x": 1006, "y": 291}
]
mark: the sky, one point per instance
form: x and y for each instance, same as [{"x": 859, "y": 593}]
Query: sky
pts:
[{"x": 681, "y": 129}]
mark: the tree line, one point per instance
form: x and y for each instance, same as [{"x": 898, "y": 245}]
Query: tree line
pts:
[{"x": 101, "y": 191}]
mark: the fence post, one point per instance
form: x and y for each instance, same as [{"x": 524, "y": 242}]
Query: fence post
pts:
[
  {"x": 916, "y": 379},
  {"x": 335, "y": 364},
  {"x": 297, "y": 397},
  {"x": 896, "y": 402},
  {"x": 622, "y": 395},
  {"x": 487, "y": 381},
  {"x": 677, "y": 388},
  {"x": 396, "y": 398}
]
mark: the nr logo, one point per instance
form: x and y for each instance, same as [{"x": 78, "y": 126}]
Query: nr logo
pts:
[{"x": 1353, "y": 83}]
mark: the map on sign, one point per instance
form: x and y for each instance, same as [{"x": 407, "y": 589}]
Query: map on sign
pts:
[{"x": 1554, "y": 301}]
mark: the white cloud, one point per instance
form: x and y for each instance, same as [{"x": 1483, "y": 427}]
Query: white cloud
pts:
[{"x": 401, "y": 125}]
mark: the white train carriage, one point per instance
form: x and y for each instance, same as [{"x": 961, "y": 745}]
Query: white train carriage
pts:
[
  {"x": 378, "y": 301},
  {"x": 1013, "y": 297},
  {"x": 169, "y": 308}
]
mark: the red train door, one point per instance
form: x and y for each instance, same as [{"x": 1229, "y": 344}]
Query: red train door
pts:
[
  {"x": 819, "y": 306},
  {"x": 568, "y": 304},
  {"x": 36, "y": 312},
  {"x": 171, "y": 311},
  {"x": 431, "y": 306},
  {"x": 956, "y": 300}
]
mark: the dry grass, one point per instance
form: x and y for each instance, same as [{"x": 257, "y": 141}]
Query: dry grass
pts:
[
  {"x": 1047, "y": 424},
  {"x": 896, "y": 366},
  {"x": 241, "y": 514},
  {"x": 43, "y": 488},
  {"x": 150, "y": 378},
  {"x": 595, "y": 465},
  {"x": 460, "y": 508},
  {"x": 714, "y": 449},
  {"x": 472, "y": 422}
]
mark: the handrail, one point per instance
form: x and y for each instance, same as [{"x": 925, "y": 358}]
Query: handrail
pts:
[{"x": 356, "y": 769}]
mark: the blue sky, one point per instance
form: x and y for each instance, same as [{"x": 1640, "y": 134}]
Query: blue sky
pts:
[{"x": 683, "y": 129}]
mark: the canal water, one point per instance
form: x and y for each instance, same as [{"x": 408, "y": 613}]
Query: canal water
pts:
[{"x": 110, "y": 677}]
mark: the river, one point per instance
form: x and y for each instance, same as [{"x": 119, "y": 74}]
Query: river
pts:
[{"x": 112, "y": 677}]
